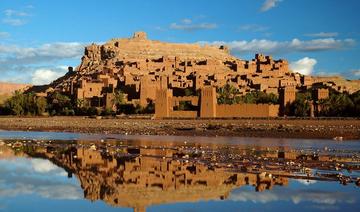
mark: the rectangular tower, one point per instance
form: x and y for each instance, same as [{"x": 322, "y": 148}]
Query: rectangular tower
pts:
[
  {"x": 208, "y": 102},
  {"x": 163, "y": 103},
  {"x": 287, "y": 96}
]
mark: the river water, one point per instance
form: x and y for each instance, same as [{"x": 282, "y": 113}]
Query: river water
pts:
[{"x": 46, "y": 171}]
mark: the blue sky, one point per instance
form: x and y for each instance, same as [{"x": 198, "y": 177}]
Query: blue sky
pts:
[{"x": 40, "y": 38}]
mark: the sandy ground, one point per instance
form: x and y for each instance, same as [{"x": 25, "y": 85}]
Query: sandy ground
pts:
[{"x": 278, "y": 128}]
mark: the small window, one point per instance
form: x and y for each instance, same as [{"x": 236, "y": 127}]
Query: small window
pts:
[{"x": 90, "y": 89}]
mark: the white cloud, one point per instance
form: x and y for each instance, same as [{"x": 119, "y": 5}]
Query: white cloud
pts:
[
  {"x": 15, "y": 17},
  {"x": 19, "y": 64},
  {"x": 10, "y": 12},
  {"x": 14, "y": 21},
  {"x": 306, "y": 182},
  {"x": 60, "y": 192},
  {"x": 22, "y": 176},
  {"x": 303, "y": 66},
  {"x": 46, "y": 76},
  {"x": 296, "y": 196},
  {"x": 58, "y": 50},
  {"x": 295, "y": 45},
  {"x": 327, "y": 73},
  {"x": 29, "y": 6},
  {"x": 356, "y": 73},
  {"x": 253, "y": 28},
  {"x": 4, "y": 34},
  {"x": 323, "y": 34},
  {"x": 42, "y": 166},
  {"x": 188, "y": 25},
  {"x": 269, "y": 4},
  {"x": 51, "y": 51},
  {"x": 187, "y": 21}
]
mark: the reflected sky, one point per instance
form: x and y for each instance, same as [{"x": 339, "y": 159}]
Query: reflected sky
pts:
[
  {"x": 321, "y": 196},
  {"x": 23, "y": 176},
  {"x": 28, "y": 184}
]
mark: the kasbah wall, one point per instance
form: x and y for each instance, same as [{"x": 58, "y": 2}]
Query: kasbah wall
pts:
[
  {"x": 247, "y": 110},
  {"x": 208, "y": 107}
]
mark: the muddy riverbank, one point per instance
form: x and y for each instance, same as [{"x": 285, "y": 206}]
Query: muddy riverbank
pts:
[{"x": 273, "y": 128}]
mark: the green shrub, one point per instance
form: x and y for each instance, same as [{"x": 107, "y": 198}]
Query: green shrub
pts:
[{"x": 25, "y": 104}]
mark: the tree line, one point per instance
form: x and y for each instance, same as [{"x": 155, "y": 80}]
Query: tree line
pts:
[
  {"x": 336, "y": 105},
  {"x": 28, "y": 104},
  {"x": 228, "y": 94}
]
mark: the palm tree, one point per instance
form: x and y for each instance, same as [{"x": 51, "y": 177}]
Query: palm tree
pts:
[
  {"x": 119, "y": 99},
  {"x": 227, "y": 95}
]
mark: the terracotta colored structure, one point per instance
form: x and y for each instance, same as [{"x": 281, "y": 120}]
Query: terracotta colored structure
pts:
[
  {"x": 318, "y": 95},
  {"x": 208, "y": 107},
  {"x": 208, "y": 102},
  {"x": 139, "y": 67},
  {"x": 286, "y": 98},
  {"x": 321, "y": 93},
  {"x": 139, "y": 182}
]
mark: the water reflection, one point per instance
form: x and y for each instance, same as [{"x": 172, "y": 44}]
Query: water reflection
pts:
[
  {"x": 141, "y": 174},
  {"x": 35, "y": 177}
]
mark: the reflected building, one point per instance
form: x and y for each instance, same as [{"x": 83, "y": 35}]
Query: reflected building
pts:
[
  {"x": 8, "y": 151},
  {"x": 138, "y": 178}
]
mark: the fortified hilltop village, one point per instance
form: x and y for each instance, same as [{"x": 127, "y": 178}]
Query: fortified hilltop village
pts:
[{"x": 170, "y": 74}]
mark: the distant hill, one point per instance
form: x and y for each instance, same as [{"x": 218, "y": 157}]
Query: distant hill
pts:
[{"x": 7, "y": 89}]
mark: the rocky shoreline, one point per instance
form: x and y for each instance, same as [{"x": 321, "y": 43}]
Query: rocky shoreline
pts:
[{"x": 342, "y": 129}]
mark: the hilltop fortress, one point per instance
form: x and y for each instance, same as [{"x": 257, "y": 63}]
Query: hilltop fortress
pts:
[{"x": 148, "y": 71}]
